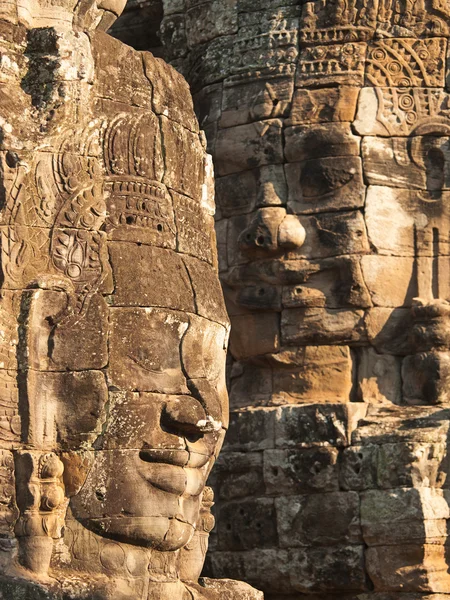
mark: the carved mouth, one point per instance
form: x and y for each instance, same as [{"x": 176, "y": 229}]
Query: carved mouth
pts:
[
  {"x": 172, "y": 478},
  {"x": 175, "y": 457}
]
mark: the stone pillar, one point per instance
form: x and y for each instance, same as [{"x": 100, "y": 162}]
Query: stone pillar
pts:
[
  {"x": 113, "y": 404},
  {"x": 329, "y": 126}
]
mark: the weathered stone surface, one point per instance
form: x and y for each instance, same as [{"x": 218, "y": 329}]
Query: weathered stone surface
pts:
[
  {"x": 358, "y": 469},
  {"x": 324, "y": 184},
  {"x": 249, "y": 146},
  {"x": 301, "y": 471},
  {"x": 244, "y": 424},
  {"x": 388, "y": 330},
  {"x": 331, "y": 139},
  {"x": 260, "y": 336},
  {"x": 238, "y": 475},
  {"x": 319, "y": 519},
  {"x": 404, "y": 516},
  {"x": 142, "y": 286},
  {"x": 338, "y": 568},
  {"x": 261, "y": 98},
  {"x": 242, "y": 192},
  {"x": 311, "y": 374},
  {"x": 408, "y": 568},
  {"x": 328, "y": 125},
  {"x": 323, "y": 425},
  {"x": 379, "y": 377},
  {"x": 323, "y": 105},
  {"x": 321, "y": 326},
  {"x": 389, "y": 280},
  {"x": 113, "y": 328},
  {"x": 247, "y": 524}
]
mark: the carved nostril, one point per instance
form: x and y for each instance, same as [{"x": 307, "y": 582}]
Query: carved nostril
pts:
[
  {"x": 184, "y": 415},
  {"x": 291, "y": 233}
]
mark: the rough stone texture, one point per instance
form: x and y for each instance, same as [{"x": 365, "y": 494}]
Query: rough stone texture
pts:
[
  {"x": 329, "y": 125},
  {"x": 113, "y": 403}
]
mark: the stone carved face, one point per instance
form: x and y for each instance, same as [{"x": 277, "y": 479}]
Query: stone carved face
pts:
[
  {"x": 112, "y": 313},
  {"x": 332, "y": 166}
]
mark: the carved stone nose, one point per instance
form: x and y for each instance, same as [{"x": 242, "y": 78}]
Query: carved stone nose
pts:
[
  {"x": 270, "y": 230},
  {"x": 291, "y": 233},
  {"x": 185, "y": 415}
]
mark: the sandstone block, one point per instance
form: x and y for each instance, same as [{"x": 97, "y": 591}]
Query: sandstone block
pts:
[
  {"x": 334, "y": 282},
  {"x": 358, "y": 467},
  {"x": 183, "y": 173},
  {"x": 210, "y": 305},
  {"x": 321, "y": 326},
  {"x": 426, "y": 377},
  {"x": 412, "y": 465},
  {"x": 207, "y": 21},
  {"x": 390, "y": 280},
  {"x": 385, "y": 424},
  {"x": 323, "y": 105},
  {"x": 249, "y": 146},
  {"x": 388, "y": 330},
  {"x": 53, "y": 348},
  {"x": 242, "y": 192},
  {"x": 329, "y": 139},
  {"x": 254, "y": 334},
  {"x": 302, "y": 471},
  {"x": 318, "y": 570},
  {"x": 379, "y": 377},
  {"x": 170, "y": 95},
  {"x": 251, "y": 430},
  {"x": 317, "y": 425},
  {"x": 74, "y": 402},
  {"x": 247, "y": 524},
  {"x": 403, "y": 516},
  {"x": 255, "y": 100},
  {"x": 408, "y": 568},
  {"x": 136, "y": 356},
  {"x": 322, "y": 66},
  {"x": 325, "y": 184},
  {"x": 312, "y": 374},
  {"x": 149, "y": 283},
  {"x": 250, "y": 385},
  {"x": 269, "y": 567},
  {"x": 318, "y": 520},
  {"x": 238, "y": 475}
]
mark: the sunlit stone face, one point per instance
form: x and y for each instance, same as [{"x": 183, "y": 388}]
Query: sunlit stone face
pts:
[
  {"x": 332, "y": 166},
  {"x": 113, "y": 377}
]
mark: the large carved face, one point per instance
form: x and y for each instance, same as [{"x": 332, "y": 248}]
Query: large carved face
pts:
[
  {"x": 109, "y": 267},
  {"x": 333, "y": 165}
]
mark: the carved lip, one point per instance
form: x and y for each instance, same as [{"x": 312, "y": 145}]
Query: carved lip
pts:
[{"x": 173, "y": 456}]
